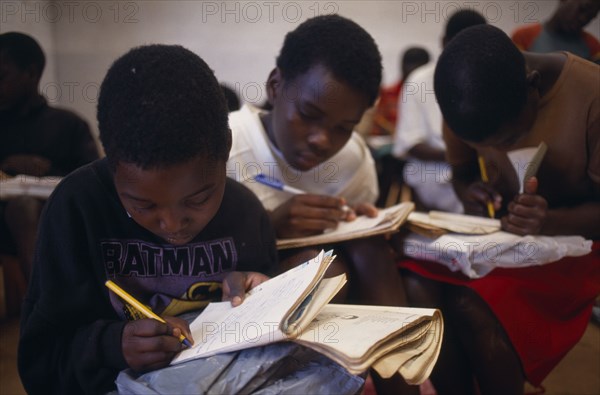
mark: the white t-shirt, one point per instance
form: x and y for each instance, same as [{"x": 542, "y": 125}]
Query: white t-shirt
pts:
[
  {"x": 349, "y": 174},
  {"x": 421, "y": 123},
  {"x": 421, "y": 119}
]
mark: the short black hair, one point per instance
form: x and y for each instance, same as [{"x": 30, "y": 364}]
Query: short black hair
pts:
[
  {"x": 24, "y": 50},
  {"x": 461, "y": 20},
  {"x": 161, "y": 105},
  {"x": 340, "y": 45},
  {"x": 415, "y": 55},
  {"x": 480, "y": 82}
]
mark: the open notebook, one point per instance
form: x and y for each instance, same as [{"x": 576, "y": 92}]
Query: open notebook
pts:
[
  {"x": 293, "y": 307},
  {"x": 436, "y": 223},
  {"x": 388, "y": 220}
]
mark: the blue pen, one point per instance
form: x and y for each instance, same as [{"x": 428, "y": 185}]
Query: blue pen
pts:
[{"x": 277, "y": 184}]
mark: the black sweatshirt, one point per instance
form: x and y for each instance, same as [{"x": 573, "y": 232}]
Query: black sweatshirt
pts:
[
  {"x": 71, "y": 325},
  {"x": 55, "y": 134}
]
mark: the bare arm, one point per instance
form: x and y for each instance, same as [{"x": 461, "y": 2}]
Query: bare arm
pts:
[{"x": 583, "y": 220}]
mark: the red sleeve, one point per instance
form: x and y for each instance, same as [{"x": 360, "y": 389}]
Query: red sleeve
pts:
[
  {"x": 524, "y": 36},
  {"x": 594, "y": 46}
]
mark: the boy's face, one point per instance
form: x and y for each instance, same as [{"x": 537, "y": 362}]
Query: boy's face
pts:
[
  {"x": 174, "y": 203},
  {"x": 313, "y": 116}
]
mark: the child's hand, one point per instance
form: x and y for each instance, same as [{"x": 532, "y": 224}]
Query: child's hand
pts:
[
  {"x": 527, "y": 212},
  {"x": 149, "y": 344},
  {"x": 476, "y": 197},
  {"x": 180, "y": 327},
  {"x": 236, "y": 284},
  {"x": 361, "y": 209},
  {"x": 306, "y": 215}
]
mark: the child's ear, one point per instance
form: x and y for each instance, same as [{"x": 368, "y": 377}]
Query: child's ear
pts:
[{"x": 273, "y": 83}]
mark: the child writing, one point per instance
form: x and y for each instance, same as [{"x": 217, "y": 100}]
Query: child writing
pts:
[
  {"x": 516, "y": 324},
  {"x": 157, "y": 216},
  {"x": 327, "y": 74}
]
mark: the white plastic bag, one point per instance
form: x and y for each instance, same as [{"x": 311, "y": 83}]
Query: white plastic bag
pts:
[{"x": 477, "y": 255}]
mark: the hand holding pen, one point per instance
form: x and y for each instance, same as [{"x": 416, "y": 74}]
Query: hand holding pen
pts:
[
  {"x": 306, "y": 214},
  {"x": 149, "y": 344},
  {"x": 490, "y": 202},
  {"x": 277, "y": 184}
]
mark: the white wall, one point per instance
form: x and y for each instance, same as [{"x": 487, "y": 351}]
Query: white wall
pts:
[{"x": 239, "y": 39}]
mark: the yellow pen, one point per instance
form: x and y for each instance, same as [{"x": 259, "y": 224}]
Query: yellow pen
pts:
[
  {"x": 141, "y": 307},
  {"x": 484, "y": 178}
]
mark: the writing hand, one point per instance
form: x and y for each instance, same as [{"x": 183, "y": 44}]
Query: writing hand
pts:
[
  {"x": 476, "y": 196},
  {"x": 149, "y": 344},
  {"x": 306, "y": 215},
  {"x": 180, "y": 327},
  {"x": 527, "y": 212},
  {"x": 362, "y": 209},
  {"x": 236, "y": 284}
]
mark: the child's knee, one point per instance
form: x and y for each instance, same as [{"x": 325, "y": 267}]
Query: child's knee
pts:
[{"x": 421, "y": 291}]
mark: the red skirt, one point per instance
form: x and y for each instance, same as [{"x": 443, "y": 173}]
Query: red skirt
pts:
[{"x": 544, "y": 309}]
